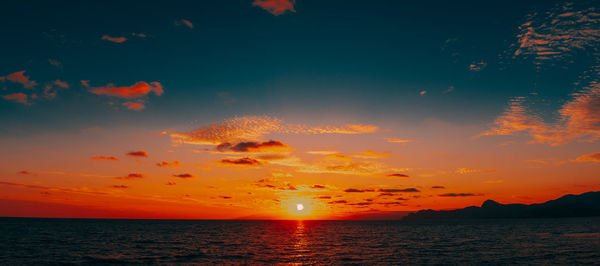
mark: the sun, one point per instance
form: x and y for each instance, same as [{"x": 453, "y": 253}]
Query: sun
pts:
[{"x": 299, "y": 207}]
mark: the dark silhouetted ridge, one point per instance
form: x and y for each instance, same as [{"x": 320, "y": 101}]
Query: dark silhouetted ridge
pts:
[{"x": 582, "y": 205}]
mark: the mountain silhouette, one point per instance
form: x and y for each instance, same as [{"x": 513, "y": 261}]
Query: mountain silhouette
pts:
[{"x": 582, "y": 205}]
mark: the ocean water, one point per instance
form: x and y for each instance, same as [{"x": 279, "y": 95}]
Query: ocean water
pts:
[{"x": 98, "y": 241}]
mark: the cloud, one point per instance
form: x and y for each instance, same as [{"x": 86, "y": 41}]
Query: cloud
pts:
[
  {"x": 254, "y": 147},
  {"x": 578, "y": 119},
  {"x": 241, "y": 161},
  {"x": 107, "y": 158},
  {"x": 61, "y": 84},
  {"x": 120, "y": 186},
  {"x": 498, "y": 181},
  {"x": 322, "y": 152},
  {"x": 184, "y": 22},
  {"x": 134, "y": 106},
  {"x": 276, "y": 7},
  {"x": 168, "y": 164},
  {"x": 395, "y": 190},
  {"x": 318, "y": 186},
  {"x": 355, "y": 190},
  {"x": 141, "y": 35},
  {"x": 139, "y": 153},
  {"x": 131, "y": 176},
  {"x": 225, "y": 197},
  {"x": 184, "y": 176},
  {"x": 17, "y": 97},
  {"x": 398, "y": 175},
  {"x": 19, "y": 77},
  {"x": 252, "y": 127},
  {"x": 171, "y": 183},
  {"x": 338, "y": 202},
  {"x": 25, "y": 172},
  {"x": 438, "y": 187},
  {"x": 457, "y": 195},
  {"x": 558, "y": 33},
  {"x": 477, "y": 66},
  {"x": 323, "y": 197},
  {"x": 371, "y": 155},
  {"x": 114, "y": 39},
  {"x": 423, "y": 92},
  {"x": 594, "y": 157},
  {"x": 397, "y": 140},
  {"x": 139, "y": 89}
]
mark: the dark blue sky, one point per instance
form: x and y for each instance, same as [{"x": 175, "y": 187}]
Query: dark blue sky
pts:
[{"x": 369, "y": 60}]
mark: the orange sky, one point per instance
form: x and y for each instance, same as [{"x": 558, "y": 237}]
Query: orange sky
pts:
[{"x": 262, "y": 167}]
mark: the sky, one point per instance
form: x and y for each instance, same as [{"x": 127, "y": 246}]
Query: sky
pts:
[{"x": 306, "y": 109}]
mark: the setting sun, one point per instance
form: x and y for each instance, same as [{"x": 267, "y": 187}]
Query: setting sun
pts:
[{"x": 299, "y": 207}]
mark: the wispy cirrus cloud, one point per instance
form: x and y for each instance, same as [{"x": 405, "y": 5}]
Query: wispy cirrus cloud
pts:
[
  {"x": 558, "y": 33},
  {"x": 276, "y": 7},
  {"x": 253, "y": 127}
]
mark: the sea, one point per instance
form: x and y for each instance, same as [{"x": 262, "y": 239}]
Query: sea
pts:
[{"x": 564, "y": 241}]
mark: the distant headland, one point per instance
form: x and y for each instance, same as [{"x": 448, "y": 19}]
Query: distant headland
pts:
[{"x": 582, "y": 205}]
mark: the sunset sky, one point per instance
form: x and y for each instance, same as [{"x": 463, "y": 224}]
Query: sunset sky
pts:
[{"x": 247, "y": 108}]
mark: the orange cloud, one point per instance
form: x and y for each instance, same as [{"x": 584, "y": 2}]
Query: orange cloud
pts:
[
  {"x": 119, "y": 186},
  {"x": 114, "y": 39},
  {"x": 61, "y": 84},
  {"x": 17, "y": 97},
  {"x": 253, "y": 127},
  {"x": 477, "y": 66},
  {"x": 241, "y": 161},
  {"x": 558, "y": 33},
  {"x": 371, "y": 155},
  {"x": 594, "y": 157},
  {"x": 184, "y": 22},
  {"x": 184, "y": 176},
  {"x": 168, "y": 164},
  {"x": 131, "y": 176},
  {"x": 276, "y": 7},
  {"x": 138, "y": 89},
  {"x": 397, "y": 140},
  {"x": 139, "y": 153},
  {"x": 108, "y": 158},
  {"x": 19, "y": 77},
  {"x": 134, "y": 106},
  {"x": 579, "y": 119}
]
